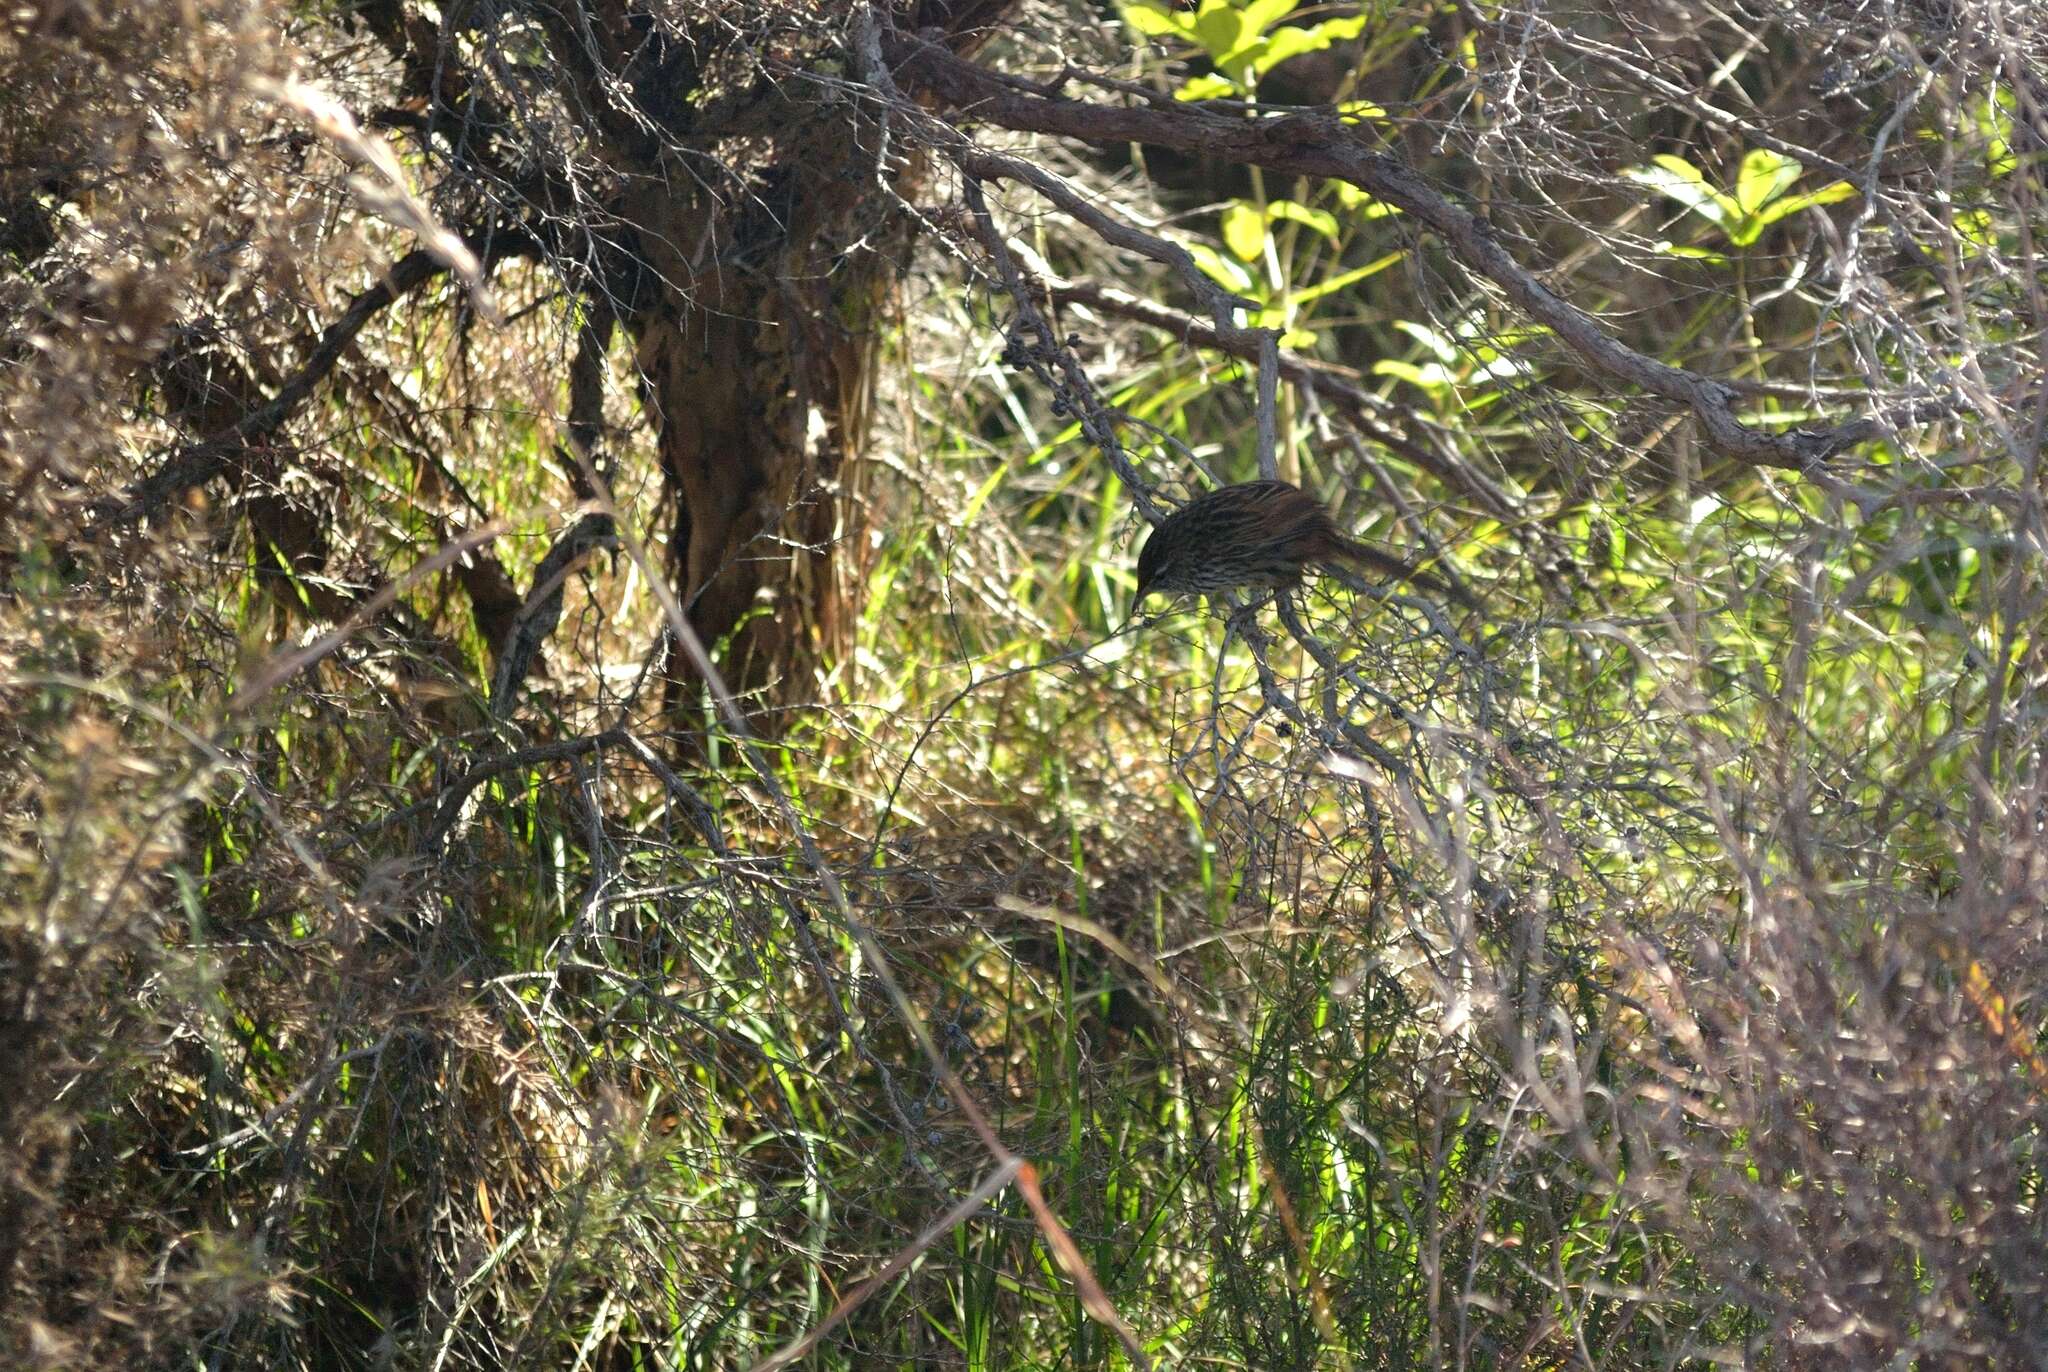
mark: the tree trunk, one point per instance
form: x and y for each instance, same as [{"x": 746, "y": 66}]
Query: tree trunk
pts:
[
  {"x": 756, "y": 356},
  {"x": 756, "y": 318}
]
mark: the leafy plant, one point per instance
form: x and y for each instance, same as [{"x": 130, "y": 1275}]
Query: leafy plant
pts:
[
  {"x": 1756, "y": 201},
  {"x": 1244, "y": 42}
]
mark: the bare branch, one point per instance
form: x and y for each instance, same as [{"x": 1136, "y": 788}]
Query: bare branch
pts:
[
  {"x": 976, "y": 162},
  {"x": 1321, "y": 145},
  {"x": 1357, "y": 404},
  {"x": 198, "y": 463}
]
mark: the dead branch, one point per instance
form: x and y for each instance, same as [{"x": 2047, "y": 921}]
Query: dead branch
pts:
[
  {"x": 1358, "y": 405},
  {"x": 198, "y": 463},
  {"x": 1321, "y": 145}
]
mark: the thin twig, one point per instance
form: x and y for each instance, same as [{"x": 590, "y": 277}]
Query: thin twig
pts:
[{"x": 1322, "y": 145}]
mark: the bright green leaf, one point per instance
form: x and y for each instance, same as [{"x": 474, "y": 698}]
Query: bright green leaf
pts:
[
  {"x": 1499, "y": 366},
  {"x": 1261, "y": 15},
  {"x": 1219, "y": 268},
  {"x": 1207, "y": 88},
  {"x": 1293, "y": 42},
  {"x": 1219, "y": 28},
  {"x": 1683, "y": 182},
  {"x": 1671, "y": 249},
  {"x": 1975, "y": 229},
  {"x": 1431, "y": 377},
  {"x": 1154, "y": 22},
  {"x": 1993, "y": 115},
  {"x": 1793, "y": 204},
  {"x": 1429, "y": 338},
  {"x": 1763, "y": 177},
  {"x": 1358, "y": 202},
  {"x": 1322, "y": 221},
  {"x": 1343, "y": 279},
  {"x": 1244, "y": 231},
  {"x": 1241, "y": 64}
]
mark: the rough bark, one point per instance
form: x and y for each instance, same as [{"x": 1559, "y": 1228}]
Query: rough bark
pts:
[{"x": 753, "y": 314}]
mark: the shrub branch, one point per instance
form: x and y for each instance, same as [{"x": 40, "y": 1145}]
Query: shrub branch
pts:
[{"x": 1321, "y": 145}]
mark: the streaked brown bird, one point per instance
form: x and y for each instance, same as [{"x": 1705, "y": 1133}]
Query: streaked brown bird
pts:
[{"x": 1259, "y": 534}]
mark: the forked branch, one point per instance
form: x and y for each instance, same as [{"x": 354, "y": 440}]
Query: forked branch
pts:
[{"x": 1321, "y": 145}]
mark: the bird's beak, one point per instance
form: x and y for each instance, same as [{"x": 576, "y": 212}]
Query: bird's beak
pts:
[{"x": 1137, "y": 604}]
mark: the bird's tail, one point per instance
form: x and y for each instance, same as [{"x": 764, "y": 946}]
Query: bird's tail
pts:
[{"x": 1365, "y": 556}]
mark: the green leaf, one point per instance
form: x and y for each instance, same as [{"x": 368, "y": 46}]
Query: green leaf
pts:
[
  {"x": 1499, "y": 366},
  {"x": 1683, "y": 182},
  {"x": 1261, "y": 15},
  {"x": 1343, "y": 279},
  {"x": 1793, "y": 204},
  {"x": 1154, "y": 22},
  {"x": 1241, "y": 64},
  {"x": 1322, "y": 221},
  {"x": 1763, "y": 177},
  {"x": 1431, "y": 377},
  {"x": 1745, "y": 230},
  {"x": 1220, "y": 269},
  {"x": 1207, "y": 88},
  {"x": 1293, "y": 42},
  {"x": 1244, "y": 231},
  {"x": 1218, "y": 28},
  {"x": 1671, "y": 249},
  {"x": 1358, "y": 202},
  {"x": 1994, "y": 121},
  {"x": 1974, "y": 227},
  {"x": 1429, "y": 338}
]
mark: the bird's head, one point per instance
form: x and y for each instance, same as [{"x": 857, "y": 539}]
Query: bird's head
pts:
[{"x": 1151, "y": 565}]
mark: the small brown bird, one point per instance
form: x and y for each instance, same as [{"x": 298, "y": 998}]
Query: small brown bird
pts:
[{"x": 1261, "y": 534}]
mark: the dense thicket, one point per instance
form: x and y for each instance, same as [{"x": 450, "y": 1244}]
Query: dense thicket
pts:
[{"x": 581, "y": 788}]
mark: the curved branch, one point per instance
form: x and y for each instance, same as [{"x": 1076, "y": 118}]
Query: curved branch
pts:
[
  {"x": 542, "y": 608},
  {"x": 1320, "y": 145},
  {"x": 195, "y": 464},
  {"x": 1358, "y": 405}
]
